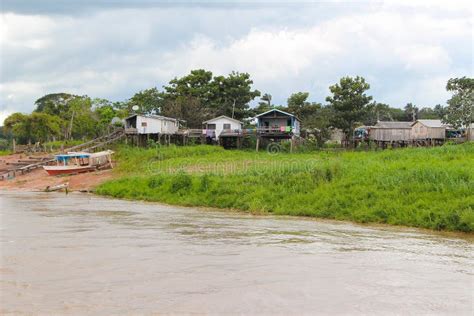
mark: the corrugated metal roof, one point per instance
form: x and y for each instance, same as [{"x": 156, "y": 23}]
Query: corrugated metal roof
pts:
[
  {"x": 432, "y": 123},
  {"x": 153, "y": 116},
  {"x": 222, "y": 116},
  {"x": 396, "y": 125},
  {"x": 276, "y": 110}
]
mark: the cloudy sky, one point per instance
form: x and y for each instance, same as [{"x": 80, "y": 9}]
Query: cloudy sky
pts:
[{"x": 113, "y": 48}]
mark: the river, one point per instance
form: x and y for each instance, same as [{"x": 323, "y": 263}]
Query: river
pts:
[{"x": 83, "y": 254}]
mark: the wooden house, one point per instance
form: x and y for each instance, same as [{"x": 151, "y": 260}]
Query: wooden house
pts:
[
  {"x": 391, "y": 132},
  {"x": 222, "y": 126},
  {"x": 151, "y": 124},
  {"x": 141, "y": 128},
  {"x": 428, "y": 130},
  {"x": 278, "y": 124}
]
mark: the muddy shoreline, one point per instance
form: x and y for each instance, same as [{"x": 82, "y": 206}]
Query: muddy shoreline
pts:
[{"x": 39, "y": 180}]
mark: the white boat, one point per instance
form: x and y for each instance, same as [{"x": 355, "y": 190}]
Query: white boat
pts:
[{"x": 77, "y": 162}]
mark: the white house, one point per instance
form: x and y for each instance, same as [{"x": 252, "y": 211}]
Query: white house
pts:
[
  {"x": 213, "y": 128},
  {"x": 151, "y": 124}
]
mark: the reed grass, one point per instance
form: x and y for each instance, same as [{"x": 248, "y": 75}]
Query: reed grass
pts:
[{"x": 421, "y": 187}]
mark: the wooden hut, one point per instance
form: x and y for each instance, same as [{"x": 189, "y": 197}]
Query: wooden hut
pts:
[
  {"x": 143, "y": 127},
  {"x": 391, "y": 132},
  {"x": 428, "y": 130},
  {"x": 277, "y": 125}
]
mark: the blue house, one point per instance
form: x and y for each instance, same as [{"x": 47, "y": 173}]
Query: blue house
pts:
[{"x": 278, "y": 123}]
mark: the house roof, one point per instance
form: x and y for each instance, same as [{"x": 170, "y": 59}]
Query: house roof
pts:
[
  {"x": 396, "y": 125},
  {"x": 157, "y": 117},
  {"x": 223, "y": 116},
  {"x": 276, "y": 110},
  {"x": 431, "y": 123}
]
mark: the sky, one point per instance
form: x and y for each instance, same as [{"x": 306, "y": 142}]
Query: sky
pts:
[{"x": 406, "y": 50}]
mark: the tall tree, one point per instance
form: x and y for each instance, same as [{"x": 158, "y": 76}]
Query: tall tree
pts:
[
  {"x": 187, "y": 108},
  {"x": 219, "y": 95},
  {"x": 148, "y": 101},
  {"x": 17, "y": 125},
  {"x": 348, "y": 102},
  {"x": 34, "y": 127},
  {"x": 104, "y": 112},
  {"x": 44, "y": 127},
  {"x": 54, "y": 103},
  {"x": 460, "y": 111},
  {"x": 376, "y": 112},
  {"x": 411, "y": 112},
  {"x": 231, "y": 95},
  {"x": 440, "y": 111}
]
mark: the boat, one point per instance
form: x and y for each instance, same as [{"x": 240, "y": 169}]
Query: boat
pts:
[{"x": 78, "y": 162}]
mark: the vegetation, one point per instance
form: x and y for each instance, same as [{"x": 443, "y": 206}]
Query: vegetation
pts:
[
  {"x": 460, "y": 112},
  {"x": 422, "y": 187},
  {"x": 200, "y": 95},
  {"x": 62, "y": 143}
]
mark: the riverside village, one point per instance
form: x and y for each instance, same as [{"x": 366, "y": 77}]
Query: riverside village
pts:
[{"x": 211, "y": 158}]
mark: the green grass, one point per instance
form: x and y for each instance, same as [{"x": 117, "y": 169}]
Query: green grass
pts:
[
  {"x": 5, "y": 152},
  {"x": 421, "y": 187}
]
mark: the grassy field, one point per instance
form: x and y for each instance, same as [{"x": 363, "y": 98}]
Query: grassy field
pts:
[
  {"x": 5, "y": 152},
  {"x": 422, "y": 187}
]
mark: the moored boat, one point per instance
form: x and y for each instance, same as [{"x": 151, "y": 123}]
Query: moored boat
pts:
[{"x": 78, "y": 162}]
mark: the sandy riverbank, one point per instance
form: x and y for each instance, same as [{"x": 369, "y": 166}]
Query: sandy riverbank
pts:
[{"x": 38, "y": 180}]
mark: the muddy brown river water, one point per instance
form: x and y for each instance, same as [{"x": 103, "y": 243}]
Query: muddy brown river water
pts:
[{"x": 82, "y": 254}]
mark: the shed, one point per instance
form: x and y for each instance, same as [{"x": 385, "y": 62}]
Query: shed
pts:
[
  {"x": 151, "y": 124},
  {"x": 428, "y": 129},
  {"x": 222, "y": 125},
  {"x": 391, "y": 131},
  {"x": 278, "y": 123}
]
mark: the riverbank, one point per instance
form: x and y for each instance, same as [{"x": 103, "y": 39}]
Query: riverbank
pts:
[
  {"x": 39, "y": 180},
  {"x": 421, "y": 187}
]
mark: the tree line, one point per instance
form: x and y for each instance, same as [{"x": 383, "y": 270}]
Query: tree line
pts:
[{"x": 200, "y": 95}]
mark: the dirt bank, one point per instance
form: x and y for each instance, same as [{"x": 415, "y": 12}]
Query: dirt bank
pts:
[{"x": 38, "y": 179}]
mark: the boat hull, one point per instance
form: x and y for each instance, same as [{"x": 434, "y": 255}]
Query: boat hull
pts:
[{"x": 58, "y": 170}]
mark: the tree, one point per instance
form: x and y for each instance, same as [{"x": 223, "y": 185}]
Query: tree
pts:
[
  {"x": 196, "y": 84},
  {"x": 54, "y": 103},
  {"x": 17, "y": 125},
  {"x": 219, "y": 95},
  {"x": 149, "y": 101},
  {"x": 231, "y": 95},
  {"x": 411, "y": 112},
  {"x": 348, "y": 103},
  {"x": 440, "y": 111},
  {"x": 187, "y": 108},
  {"x": 104, "y": 112},
  {"x": 34, "y": 127},
  {"x": 44, "y": 127},
  {"x": 428, "y": 114},
  {"x": 460, "y": 111},
  {"x": 264, "y": 105},
  {"x": 80, "y": 119}
]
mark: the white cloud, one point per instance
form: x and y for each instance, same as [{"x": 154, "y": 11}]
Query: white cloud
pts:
[{"x": 406, "y": 52}]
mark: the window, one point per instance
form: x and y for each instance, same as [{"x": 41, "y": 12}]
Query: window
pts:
[
  {"x": 226, "y": 126},
  {"x": 211, "y": 126},
  {"x": 143, "y": 124}
]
